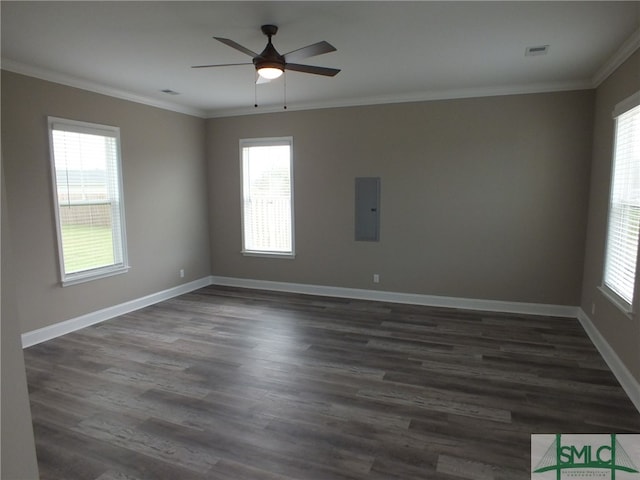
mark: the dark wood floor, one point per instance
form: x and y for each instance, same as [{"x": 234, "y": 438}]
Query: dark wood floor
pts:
[{"x": 228, "y": 383}]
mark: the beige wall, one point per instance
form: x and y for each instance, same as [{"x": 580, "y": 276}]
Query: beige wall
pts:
[
  {"x": 481, "y": 198},
  {"x": 622, "y": 333},
  {"x": 165, "y": 192},
  {"x": 18, "y": 456}
]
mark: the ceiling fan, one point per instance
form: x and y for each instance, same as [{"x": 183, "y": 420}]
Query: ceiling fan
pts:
[{"x": 270, "y": 64}]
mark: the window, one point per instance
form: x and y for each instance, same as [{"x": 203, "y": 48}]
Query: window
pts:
[
  {"x": 87, "y": 189},
  {"x": 267, "y": 196},
  {"x": 624, "y": 206}
]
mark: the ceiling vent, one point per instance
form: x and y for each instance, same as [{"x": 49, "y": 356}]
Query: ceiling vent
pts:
[{"x": 539, "y": 50}]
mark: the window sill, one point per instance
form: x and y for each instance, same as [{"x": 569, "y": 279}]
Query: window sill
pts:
[
  {"x": 103, "y": 273},
  {"x": 255, "y": 253},
  {"x": 621, "y": 305}
]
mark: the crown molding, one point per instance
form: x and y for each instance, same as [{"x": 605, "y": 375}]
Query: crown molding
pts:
[
  {"x": 622, "y": 54},
  {"x": 627, "y": 49},
  {"x": 426, "y": 96},
  {"x": 71, "y": 81}
]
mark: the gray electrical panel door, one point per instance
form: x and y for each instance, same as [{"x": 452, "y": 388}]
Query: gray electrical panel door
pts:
[{"x": 368, "y": 209}]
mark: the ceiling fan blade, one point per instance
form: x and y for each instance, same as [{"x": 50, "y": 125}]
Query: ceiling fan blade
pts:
[
  {"x": 221, "y": 65},
  {"x": 237, "y": 46},
  {"x": 329, "y": 72},
  {"x": 260, "y": 80},
  {"x": 309, "y": 51}
]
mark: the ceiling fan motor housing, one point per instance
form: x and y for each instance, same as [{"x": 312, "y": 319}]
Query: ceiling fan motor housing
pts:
[{"x": 269, "y": 58}]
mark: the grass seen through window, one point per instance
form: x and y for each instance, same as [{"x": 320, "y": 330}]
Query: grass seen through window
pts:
[{"x": 87, "y": 247}]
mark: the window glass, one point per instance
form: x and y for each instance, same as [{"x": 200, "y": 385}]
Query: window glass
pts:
[
  {"x": 88, "y": 198},
  {"x": 267, "y": 196},
  {"x": 624, "y": 210}
]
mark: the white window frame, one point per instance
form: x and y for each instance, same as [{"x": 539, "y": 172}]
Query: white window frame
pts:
[
  {"x": 609, "y": 291},
  {"x": 119, "y": 231},
  {"x": 259, "y": 142}
]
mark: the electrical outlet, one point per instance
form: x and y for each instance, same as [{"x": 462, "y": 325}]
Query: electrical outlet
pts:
[
  {"x": 182, "y": 273},
  {"x": 376, "y": 278}
]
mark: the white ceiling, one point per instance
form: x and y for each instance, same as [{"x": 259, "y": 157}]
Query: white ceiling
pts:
[{"x": 388, "y": 51}]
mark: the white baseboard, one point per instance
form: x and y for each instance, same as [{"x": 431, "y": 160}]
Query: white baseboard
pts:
[
  {"x": 629, "y": 383},
  {"x": 52, "y": 331},
  {"x": 407, "y": 298},
  {"x": 621, "y": 372}
]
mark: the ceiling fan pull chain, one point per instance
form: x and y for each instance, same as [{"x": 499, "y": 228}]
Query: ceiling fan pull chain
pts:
[
  {"x": 285, "y": 89},
  {"x": 255, "y": 92}
]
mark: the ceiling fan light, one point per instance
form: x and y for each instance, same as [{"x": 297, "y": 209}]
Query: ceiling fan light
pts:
[{"x": 269, "y": 72}]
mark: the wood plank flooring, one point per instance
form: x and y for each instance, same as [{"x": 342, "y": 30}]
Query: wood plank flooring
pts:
[{"x": 226, "y": 383}]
